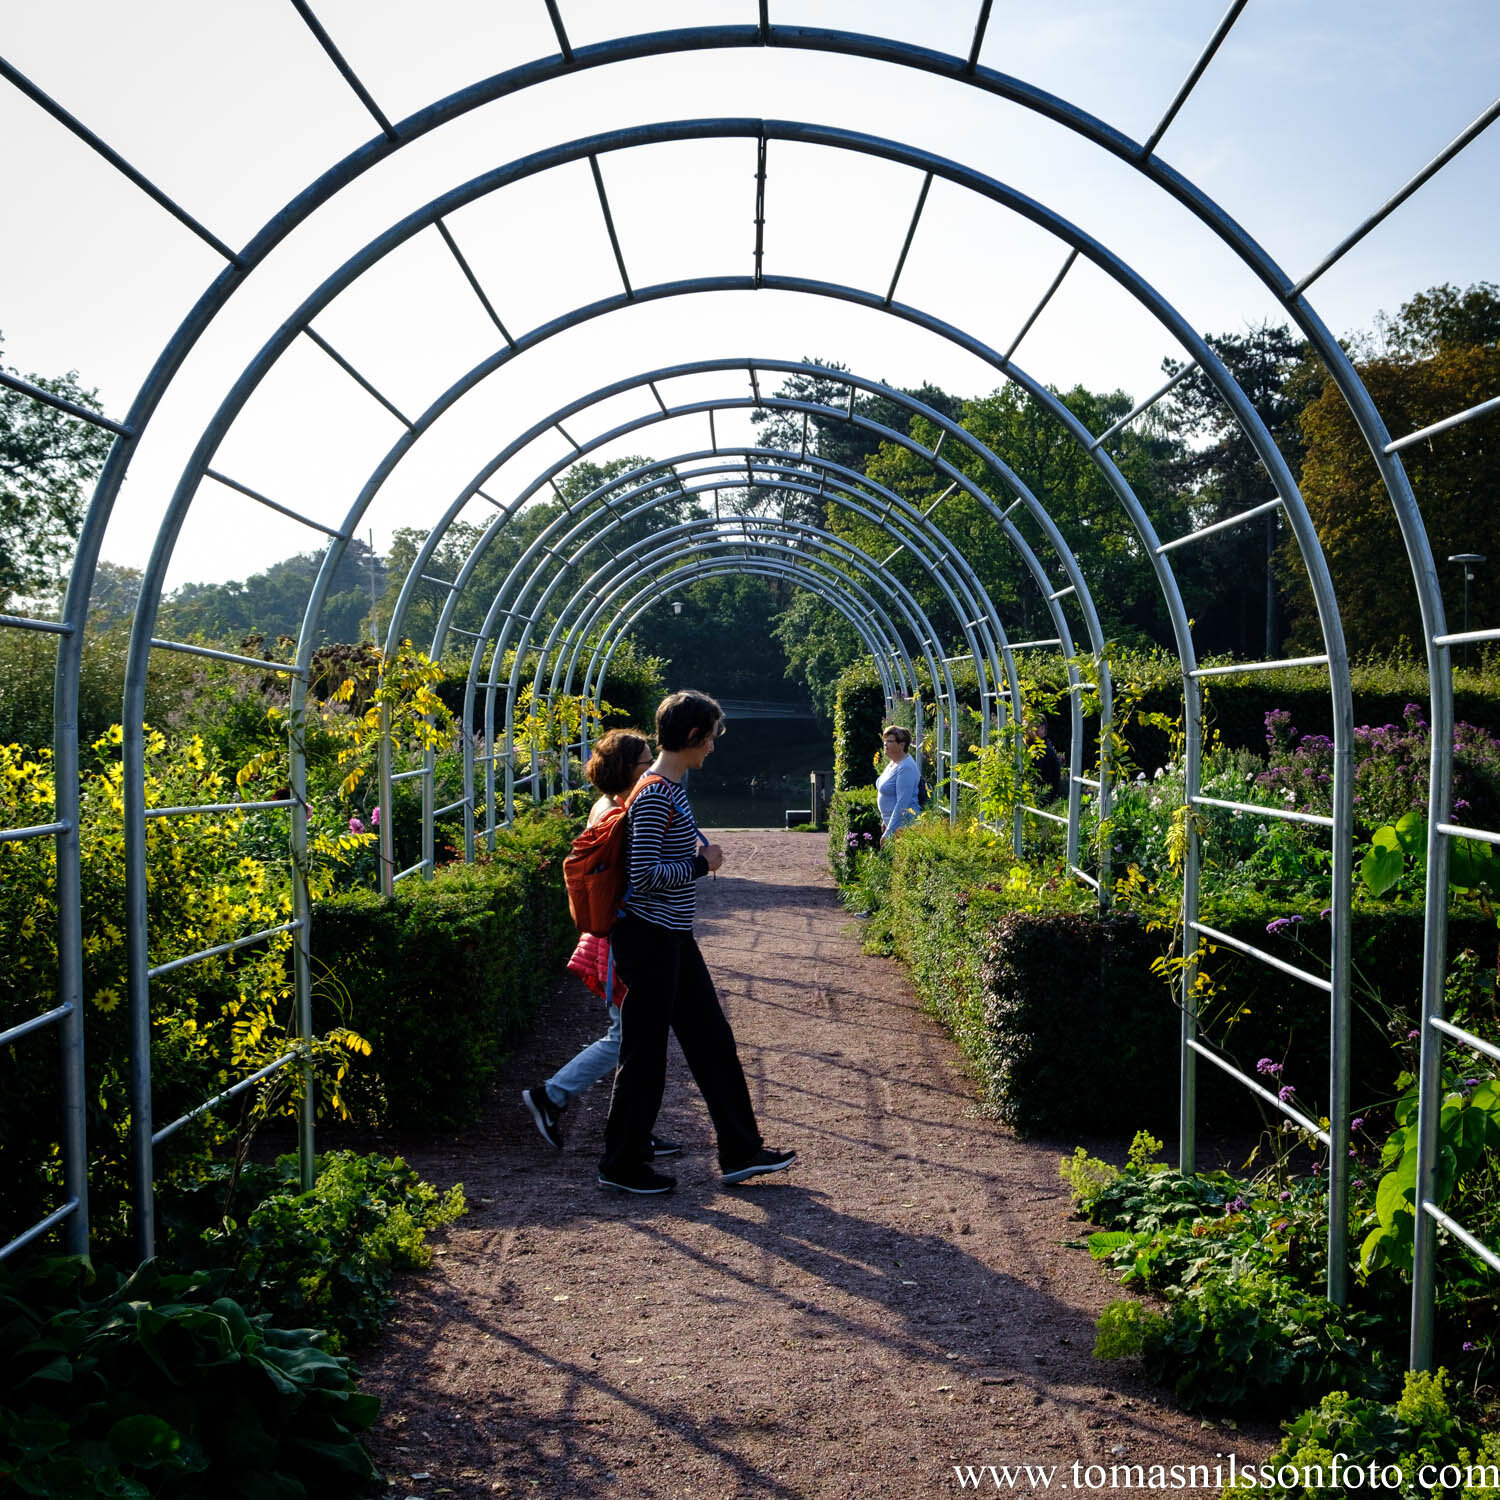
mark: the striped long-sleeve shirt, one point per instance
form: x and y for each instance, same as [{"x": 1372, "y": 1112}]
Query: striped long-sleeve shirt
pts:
[{"x": 664, "y": 858}]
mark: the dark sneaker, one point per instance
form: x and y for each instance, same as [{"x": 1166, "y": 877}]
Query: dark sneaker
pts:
[
  {"x": 763, "y": 1161},
  {"x": 661, "y": 1146},
  {"x": 546, "y": 1114},
  {"x": 639, "y": 1179}
]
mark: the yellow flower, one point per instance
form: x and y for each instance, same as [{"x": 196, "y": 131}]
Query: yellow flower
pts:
[{"x": 107, "y": 998}]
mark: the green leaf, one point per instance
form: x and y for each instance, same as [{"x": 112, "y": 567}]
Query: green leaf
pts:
[
  {"x": 144, "y": 1440},
  {"x": 1471, "y": 864},
  {"x": 1381, "y": 867},
  {"x": 1411, "y": 830},
  {"x": 1106, "y": 1242}
]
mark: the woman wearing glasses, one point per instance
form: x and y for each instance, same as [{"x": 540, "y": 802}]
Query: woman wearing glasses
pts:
[
  {"x": 670, "y": 987},
  {"x": 896, "y": 786}
]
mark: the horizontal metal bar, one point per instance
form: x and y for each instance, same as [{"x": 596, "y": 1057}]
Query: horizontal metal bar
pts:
[
  {"x": 244, "y": 661},
  {"x": 1145, "y": 405},
  {"x": 1457, "y": 1230},
  {"x": 1039, "y": 813},
  {"x": 61, "y": 403},
  {"x": 1393, "y": 203},
  {"x": 484, "y": 301},
  {"x": 961, "y": 782},
  {"x": 1425, "y": 432},
  {"x": 1457, "y": 831},
  {"x": 276, "y": 505},
  {"x": 34, "y": 1024},
  {"x": 229, "y": 1093},
  {"x": 1284, "y": 813},
  {"x": 474, "y": 635},
  {"x": 407, "y": 775},
  {"x": 1190, "y": 82},
  {"x": 1084, "y": 876},
  {"x": 1062, "y": 592},
  {"x": 1037, "y": 311},
  {"x": 37, "y": 1230},
  {"x": 1477, "y": 1043},
  {"x": 219, "y": 807},
  {"x": 25, "y": 622},
  {"x": 1465, "y": 636},
  {"x": 453, "y": 806},
  {"x": 442, "y": 583},
  {"x": 1260, "y": 666},
  {"x": 115, "y": 160},
  {"x": 221, "y": 948},
  {"x": 1295, "y": 1115},
  {"x": 1086, "y": 781},
  {"x": 365, "y": 385},
  {"x": 40, "y": 830},
  {"x": 1203, "y": 531},
  {"x": 1028, "y": 645},
  {"x": 949, "y": 660},
  {"x": 421, "y": 864},
  {"x": 479, "y": 760},
  {"x": 1276, "y": 963}
]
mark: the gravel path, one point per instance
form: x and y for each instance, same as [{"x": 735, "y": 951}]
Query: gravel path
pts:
[{"x": 897, "y": 1304}]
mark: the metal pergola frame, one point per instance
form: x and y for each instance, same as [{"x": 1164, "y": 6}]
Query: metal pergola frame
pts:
[{"x": 966, "y": 72}]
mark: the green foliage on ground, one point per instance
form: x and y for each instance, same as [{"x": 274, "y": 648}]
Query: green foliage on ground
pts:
[
  {"x": 1418, "y": 1434},
  {"x": 162, "y": 1385}
]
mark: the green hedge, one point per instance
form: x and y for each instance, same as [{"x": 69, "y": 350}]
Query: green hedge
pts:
[
  {"x": 851, "y": 814},
  {"x": 1066, "y": 1027},
  {"x": 445, "y": 976},
  {"x": 1236, "y": 706}
]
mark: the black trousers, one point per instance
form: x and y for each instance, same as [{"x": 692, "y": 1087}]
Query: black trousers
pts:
[{"x": 670, "y": 988}]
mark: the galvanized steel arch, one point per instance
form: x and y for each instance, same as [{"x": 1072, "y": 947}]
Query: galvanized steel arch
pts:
[{"x": 966, "y": 72}]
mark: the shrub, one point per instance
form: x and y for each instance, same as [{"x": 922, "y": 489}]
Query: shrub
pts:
[
  {"x": 164, "y": 1386},
  {"x": 446, "y": 975},
  {"x": 1417, "y": 1431},
  {"x": 853, "y": 827}
]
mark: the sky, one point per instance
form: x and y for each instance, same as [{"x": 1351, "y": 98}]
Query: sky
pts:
[{"x": 1309, "y": 117}]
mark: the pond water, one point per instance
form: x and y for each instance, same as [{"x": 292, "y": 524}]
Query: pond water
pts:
[{"x": 727, "y": 810}]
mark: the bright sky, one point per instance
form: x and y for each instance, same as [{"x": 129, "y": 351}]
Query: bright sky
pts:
[{"x": 1310, "y": 116}]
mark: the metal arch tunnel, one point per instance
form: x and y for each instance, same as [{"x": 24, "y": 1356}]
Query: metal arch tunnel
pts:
[{"x": 967, "y": 73}]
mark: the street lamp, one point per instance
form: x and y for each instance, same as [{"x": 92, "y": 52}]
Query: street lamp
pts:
[
  {"x": 1468, "y": 559},
  {"x": 677, "y": 603}
]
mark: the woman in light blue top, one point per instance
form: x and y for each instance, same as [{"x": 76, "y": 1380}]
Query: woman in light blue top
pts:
[{"x": 896, "y": 786}]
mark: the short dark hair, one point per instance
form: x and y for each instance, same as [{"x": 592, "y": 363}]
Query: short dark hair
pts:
[
  {"x": 900, "y": 732},
  {"x": 612, "y": 765},
  {"x": 680, "y": 717}
]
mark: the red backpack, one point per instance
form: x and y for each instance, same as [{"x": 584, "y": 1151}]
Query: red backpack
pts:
[{"x": 596, "y": 870}]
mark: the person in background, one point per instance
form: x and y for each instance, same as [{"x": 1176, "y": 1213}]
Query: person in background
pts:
[
  {"x": 620, "y": 759},
  {"x": 896, "y": 786},
  {"x": 670, "y": 987}
]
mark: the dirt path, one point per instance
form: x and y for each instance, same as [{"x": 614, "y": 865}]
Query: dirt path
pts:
[{"x": 896, "y": 1304}]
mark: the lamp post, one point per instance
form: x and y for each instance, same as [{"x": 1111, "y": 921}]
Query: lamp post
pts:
[
  {"x": 677, "y": 603},
  {"x": 1468, "y": 559}
]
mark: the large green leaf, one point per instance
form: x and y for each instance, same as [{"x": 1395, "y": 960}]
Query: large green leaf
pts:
[{"x": 1381, "y": 867}]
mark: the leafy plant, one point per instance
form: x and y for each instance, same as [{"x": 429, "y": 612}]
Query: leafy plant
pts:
[{"x": 160, "y": 1385}]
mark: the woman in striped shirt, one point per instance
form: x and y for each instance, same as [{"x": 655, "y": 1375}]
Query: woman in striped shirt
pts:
[{"x": 670, "y": 987}]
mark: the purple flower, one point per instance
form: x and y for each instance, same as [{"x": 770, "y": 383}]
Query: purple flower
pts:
[
  {"x": 1317, "y": 1169},
  {"x": 1358, "y": 1182},
  {"x": 1411, "y": 1036},
  {"x": 1469, "y": 1346},
  {"x": 355, "y": 826},
  {"x": 1234, "y": 1206},
  {"x": 1324, "y": 915},
  {"x": 1285, "y": 1092},
  {"x": 374, "y": 817},
  {"x": 1277, "y": 925},
  {"x": 1267, "y": 1067},
  {"x": 1285, "y": 1196},
  {"x": 1358, "y": 1123},
  {"x": 1471, "y": 1083}
]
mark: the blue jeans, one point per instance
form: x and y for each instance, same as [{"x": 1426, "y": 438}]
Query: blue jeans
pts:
[{"x": 589, "y": 1066}]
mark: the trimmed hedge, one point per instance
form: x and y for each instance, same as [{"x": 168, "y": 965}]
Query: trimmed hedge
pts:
[
  {"x": 1236, "y": 706},
  {"x": 1067, "y": 1029},
  {"x": 445, "y": 976},
  {"x": 851, "y": 813}
]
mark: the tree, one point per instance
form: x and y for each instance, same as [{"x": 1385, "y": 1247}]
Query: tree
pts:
[
  {"x": 1231, "y": 580},
  {"x": 48, "y": 462},
  {"x": 1455, "y": 477},
  {"x": 1442, "y": 319}
]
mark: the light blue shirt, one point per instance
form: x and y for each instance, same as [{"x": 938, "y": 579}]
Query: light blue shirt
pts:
[{"x": 896, "y": 793}]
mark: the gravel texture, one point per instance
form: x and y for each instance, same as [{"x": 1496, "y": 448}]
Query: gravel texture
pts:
[{"x": 898, "y": 1303}]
